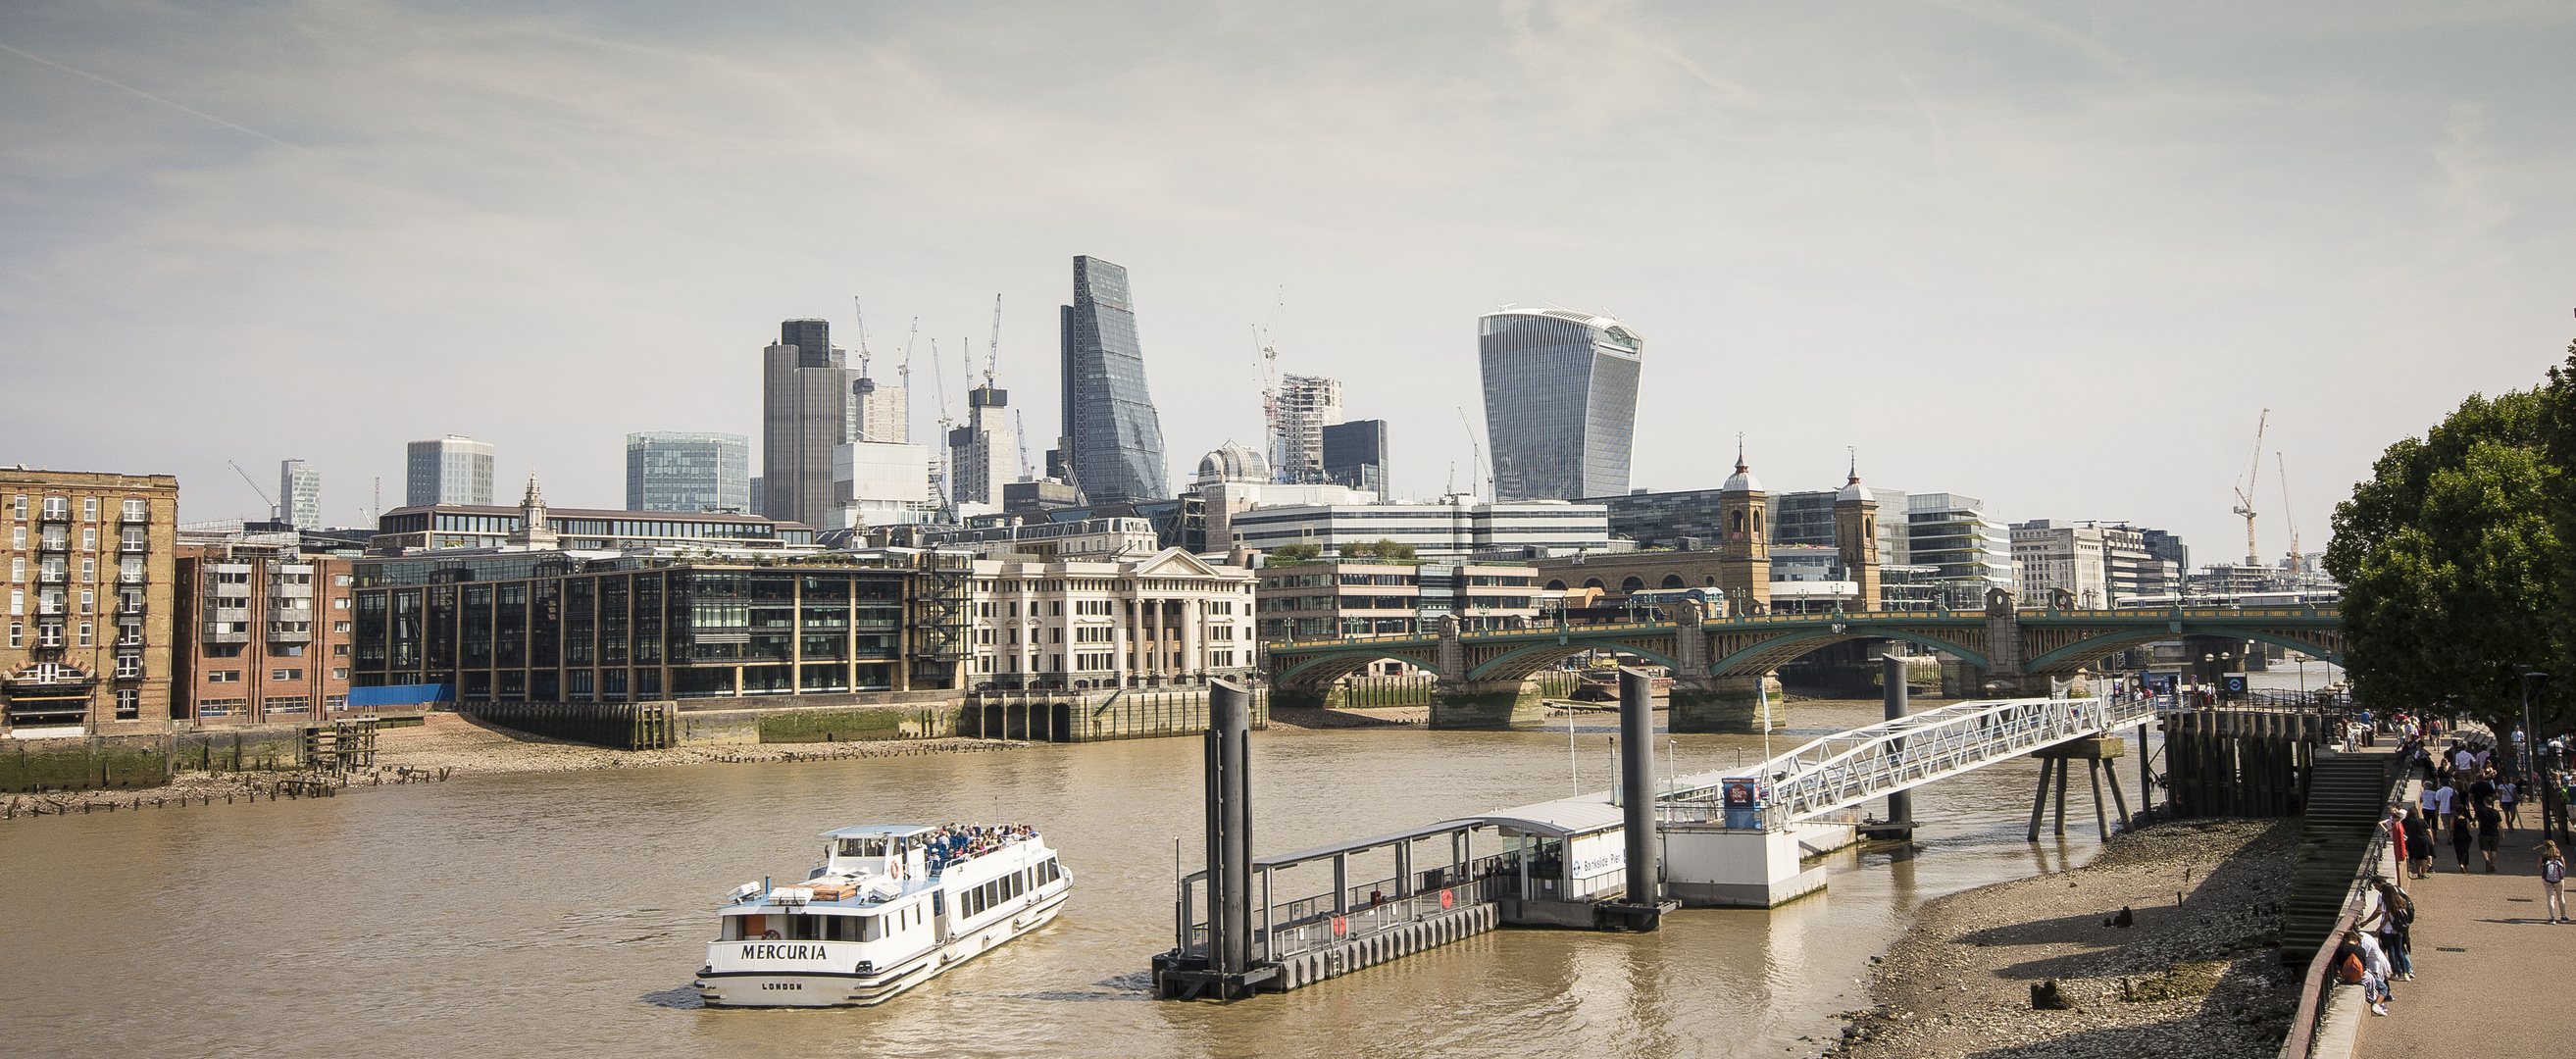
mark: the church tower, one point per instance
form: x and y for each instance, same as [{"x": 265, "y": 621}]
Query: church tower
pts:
[
  {"x": 534, "y": 530},
  {"x": 1856, "y": 534},
  {"x": 1744, "y": 555}
]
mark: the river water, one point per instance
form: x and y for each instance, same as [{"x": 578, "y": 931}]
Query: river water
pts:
[{"x": 562, "y": 914}]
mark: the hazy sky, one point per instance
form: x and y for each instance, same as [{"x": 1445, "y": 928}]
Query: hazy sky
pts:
[{"x": 2057, "y": 256}]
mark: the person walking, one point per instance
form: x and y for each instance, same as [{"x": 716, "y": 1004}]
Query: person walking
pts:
[
  {"x": 2506, "y": 788},
  {"x": 2490, "y": 832},
  {"x": 2443, "y": 796},
  {"x": 2464, "y": 840},
  {"x": 2553, "y": 880},
  {"x": 2419, "y": 844}
]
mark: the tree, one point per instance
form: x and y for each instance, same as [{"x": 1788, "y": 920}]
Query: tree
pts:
[
  {"x": 1388, "y": 551},
  {"x": 1295, "y": 553},
  {"x": 2449, "y": 559}
]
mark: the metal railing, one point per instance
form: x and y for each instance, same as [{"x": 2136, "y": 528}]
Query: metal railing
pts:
[
  {"x": 1310, "y": 923},
  {"x": 1851, "y": 767}
]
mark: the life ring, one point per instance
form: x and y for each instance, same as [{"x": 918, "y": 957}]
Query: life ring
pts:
[{"x": 769, "y": 935}]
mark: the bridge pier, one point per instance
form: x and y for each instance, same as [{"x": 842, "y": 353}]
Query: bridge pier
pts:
[
  {"x": 1486, "y": 704},
  {"x": 1729, "y": 705}
]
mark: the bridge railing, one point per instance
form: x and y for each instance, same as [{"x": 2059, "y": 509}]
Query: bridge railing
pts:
[
  {"x": 1309, "y": 923},
  {"x": 1852, "y": 767}
]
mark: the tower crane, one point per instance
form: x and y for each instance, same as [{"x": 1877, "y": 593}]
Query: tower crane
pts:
[
  {"x": 903, "y": 378},
  {"x": 1274, "y": 442},
  {"x": 254, "y": 487},
  {"x": 2283, "y": 463},
  {"x": 2245, "y": 492},
  {"x": 1475, "y": 448},
  {"x": 863, "y": 334},
  {"x": 1020, "y": 431},
  {"x": 993, "y": 349},
  {"x": 939, "y": 463}
]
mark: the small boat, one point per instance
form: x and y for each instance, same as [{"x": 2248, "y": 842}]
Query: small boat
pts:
[{"x": 890, "y": 907}]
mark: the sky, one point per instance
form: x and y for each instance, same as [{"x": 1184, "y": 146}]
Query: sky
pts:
[{"x": 2061, "y": 257}]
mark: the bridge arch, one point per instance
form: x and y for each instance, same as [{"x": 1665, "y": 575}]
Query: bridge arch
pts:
[
  {"x": 1520, "y": 663},
  {"x": 1770, "y": 654},
  {"x": 1324, "y": 669},
  {"x": 2094, "y": 649}
]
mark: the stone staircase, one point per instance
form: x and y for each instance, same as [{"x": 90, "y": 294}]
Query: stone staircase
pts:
[{"x": 2347, "y": 796}]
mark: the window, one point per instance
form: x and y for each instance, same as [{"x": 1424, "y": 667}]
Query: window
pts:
[
  {"x": 340, "y": 580},
  {"x": 340, "y": 626},
  {"x": 223, "y": 676},
  {"x": 89, "y": 538},
  {"x": 17, "y": 634},
  {"x": 286, "y": 674},
  {"x": 89, "y": 509},
  {"x": 17, "y": 569},
  {"x": 89, "y": 600},
  {"x": 129, "y": 634},
  {"x": 130, "y": 539},
  {"x": 129, "y": 667},
  {"x": 18, "y": 536},
  {"x": 130, "y": 570},
  {"x": 21, "y": 506},
  {"x": 17, "y": 602},
  {"x": 340, "y": 650},
  {"x": 343, "y": 674},
  {"x": 129, "y": 703},
  {"x": 89, "y": 570},
  {"x": 49, "y": 634},
  {"x": 137, "y": 510},
  {"x": 87, "y": 637},
  {"x": 340, "y": 603}
]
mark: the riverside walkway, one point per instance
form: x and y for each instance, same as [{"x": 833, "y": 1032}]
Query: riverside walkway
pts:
[{"x": 2491, "y": 973}]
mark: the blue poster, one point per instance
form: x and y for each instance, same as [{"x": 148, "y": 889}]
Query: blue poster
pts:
[{"x": 1742, "y": 796}]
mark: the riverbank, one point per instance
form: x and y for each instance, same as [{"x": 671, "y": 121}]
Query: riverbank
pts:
[
  {"x": 450, "y": 746},
  {"x": 2192, "y": 977}
]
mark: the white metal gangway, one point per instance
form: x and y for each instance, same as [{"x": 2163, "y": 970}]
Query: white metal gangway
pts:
[{"x": 1848, "y": 768}]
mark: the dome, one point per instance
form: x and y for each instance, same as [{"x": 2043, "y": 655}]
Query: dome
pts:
[
  {"x": 1852, "y": 489},
  {"x": 1742, "y": 481},
  {"x": 1233, "y": 463}
]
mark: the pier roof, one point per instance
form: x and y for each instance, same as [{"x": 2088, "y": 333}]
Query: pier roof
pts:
[{"x": 1563, "y": 818}]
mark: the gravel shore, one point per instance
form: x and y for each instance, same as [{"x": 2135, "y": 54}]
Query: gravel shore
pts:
[
  {"x": 2194, "y": 978},
  {"x": 450, "y": 746}
]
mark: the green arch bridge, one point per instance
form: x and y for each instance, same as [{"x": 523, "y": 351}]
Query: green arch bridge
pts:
[{"x": 1718, "y": 664}]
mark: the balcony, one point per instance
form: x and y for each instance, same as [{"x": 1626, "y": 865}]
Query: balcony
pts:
[
  {"x": 126, "y": 578},
  {"x": 135, "y": 516}
]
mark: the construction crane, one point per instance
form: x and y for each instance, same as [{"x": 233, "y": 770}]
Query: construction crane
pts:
[
  {"x": 939, "y": 461},
  {"x": 1020, "y": 430},
  {"x": 1477, "y": 466},
  {"x": 2245, "y": 492},
  {"x": 903, "y": 378},
  {"x": 993, "y": 349},
  {"x": 863, "y": 334},
  {"x": 2283, "y": 463},
  {"x": 254, "y": 487},
  {"x": 1265, "y": 344}
]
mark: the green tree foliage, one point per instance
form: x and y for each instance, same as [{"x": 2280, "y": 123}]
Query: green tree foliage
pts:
[
  {"x": 2450, "y": 559},
  {"x": 1295, "y": 553}
]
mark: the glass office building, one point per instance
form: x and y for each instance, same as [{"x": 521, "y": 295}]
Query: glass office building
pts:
[
  {"x": 1560, "y": 402},
  {"x": 682, "y": 470},
  {"x": 451, "y": 470},
  {"x": 1113, "y": 439}
]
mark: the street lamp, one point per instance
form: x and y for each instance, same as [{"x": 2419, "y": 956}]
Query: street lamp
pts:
[{"x": 2530, "y": 736}]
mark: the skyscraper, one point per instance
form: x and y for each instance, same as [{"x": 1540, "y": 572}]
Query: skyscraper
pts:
[
  {"x": 805, "y": 410},
  {"x": 451, "y": 470},
  {"x": 1355, "y": 455},
  {"x": 299, "y": 494},
  {"x": 1560, "y": 402},
  {"x": 880, "y": 411},
  {"x": 1307, "y": 405},
  {"x": 1112, "y": 442},
  {"x": 681, "y": 470},
  {"x": 983, "y": 452}
]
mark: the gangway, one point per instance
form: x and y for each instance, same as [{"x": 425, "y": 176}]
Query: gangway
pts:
[{"x": 1848, "y": 768}]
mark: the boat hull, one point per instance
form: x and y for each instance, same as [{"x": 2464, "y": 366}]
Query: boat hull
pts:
[{"x": 815, "y": 988}]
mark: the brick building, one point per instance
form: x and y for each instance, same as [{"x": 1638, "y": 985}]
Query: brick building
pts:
[
  {"x": 264, "y": 633},
  {"x": 89, "y": 561}
]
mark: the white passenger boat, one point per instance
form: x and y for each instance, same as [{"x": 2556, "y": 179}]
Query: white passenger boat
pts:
[{"x": 890, "y": 907}]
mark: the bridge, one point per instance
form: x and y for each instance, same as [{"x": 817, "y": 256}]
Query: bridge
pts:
[
  {"x": 1726, "y": 840},
  {"x": 1719, "y": 664}
]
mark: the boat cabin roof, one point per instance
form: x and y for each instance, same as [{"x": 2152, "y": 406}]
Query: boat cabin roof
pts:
[{"x": 880, "y": 831}]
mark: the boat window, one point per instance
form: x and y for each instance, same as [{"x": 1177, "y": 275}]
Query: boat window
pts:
[
  {"x": 745, "y": 928},
  {"x": 856, "y": 928},
  {"x": 863, "y": 847},
  {"x": 805, "y": 928}
]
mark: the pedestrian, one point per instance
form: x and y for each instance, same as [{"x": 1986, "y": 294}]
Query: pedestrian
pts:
[
  {"x": 2443, "y": 796},
  {"x": 2553, "y": 880},
  {"x": 2462, "y": 760},
  {"x": 2464, "y": 839},
  {"x": 2505, "y": 791},
  {"x": 2374, "y": 974},
  {"x": 2430, "y": 805},
  {"x": 2419, "y": 843},
  {"x": 2490, "y": 832},
  {"x": 2392, "y": 920}
]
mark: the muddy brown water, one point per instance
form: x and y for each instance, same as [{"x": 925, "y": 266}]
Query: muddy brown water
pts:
[{"x": 562, "y": 914}]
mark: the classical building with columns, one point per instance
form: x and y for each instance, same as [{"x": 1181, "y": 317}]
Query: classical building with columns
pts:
[{"x": 1158, "y": 620}]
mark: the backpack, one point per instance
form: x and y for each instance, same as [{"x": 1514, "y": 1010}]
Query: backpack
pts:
[{"x": 2553, "y": 870}]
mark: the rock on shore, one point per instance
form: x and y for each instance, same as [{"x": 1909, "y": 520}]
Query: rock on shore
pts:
[{"x": 2197, "y": 978}]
